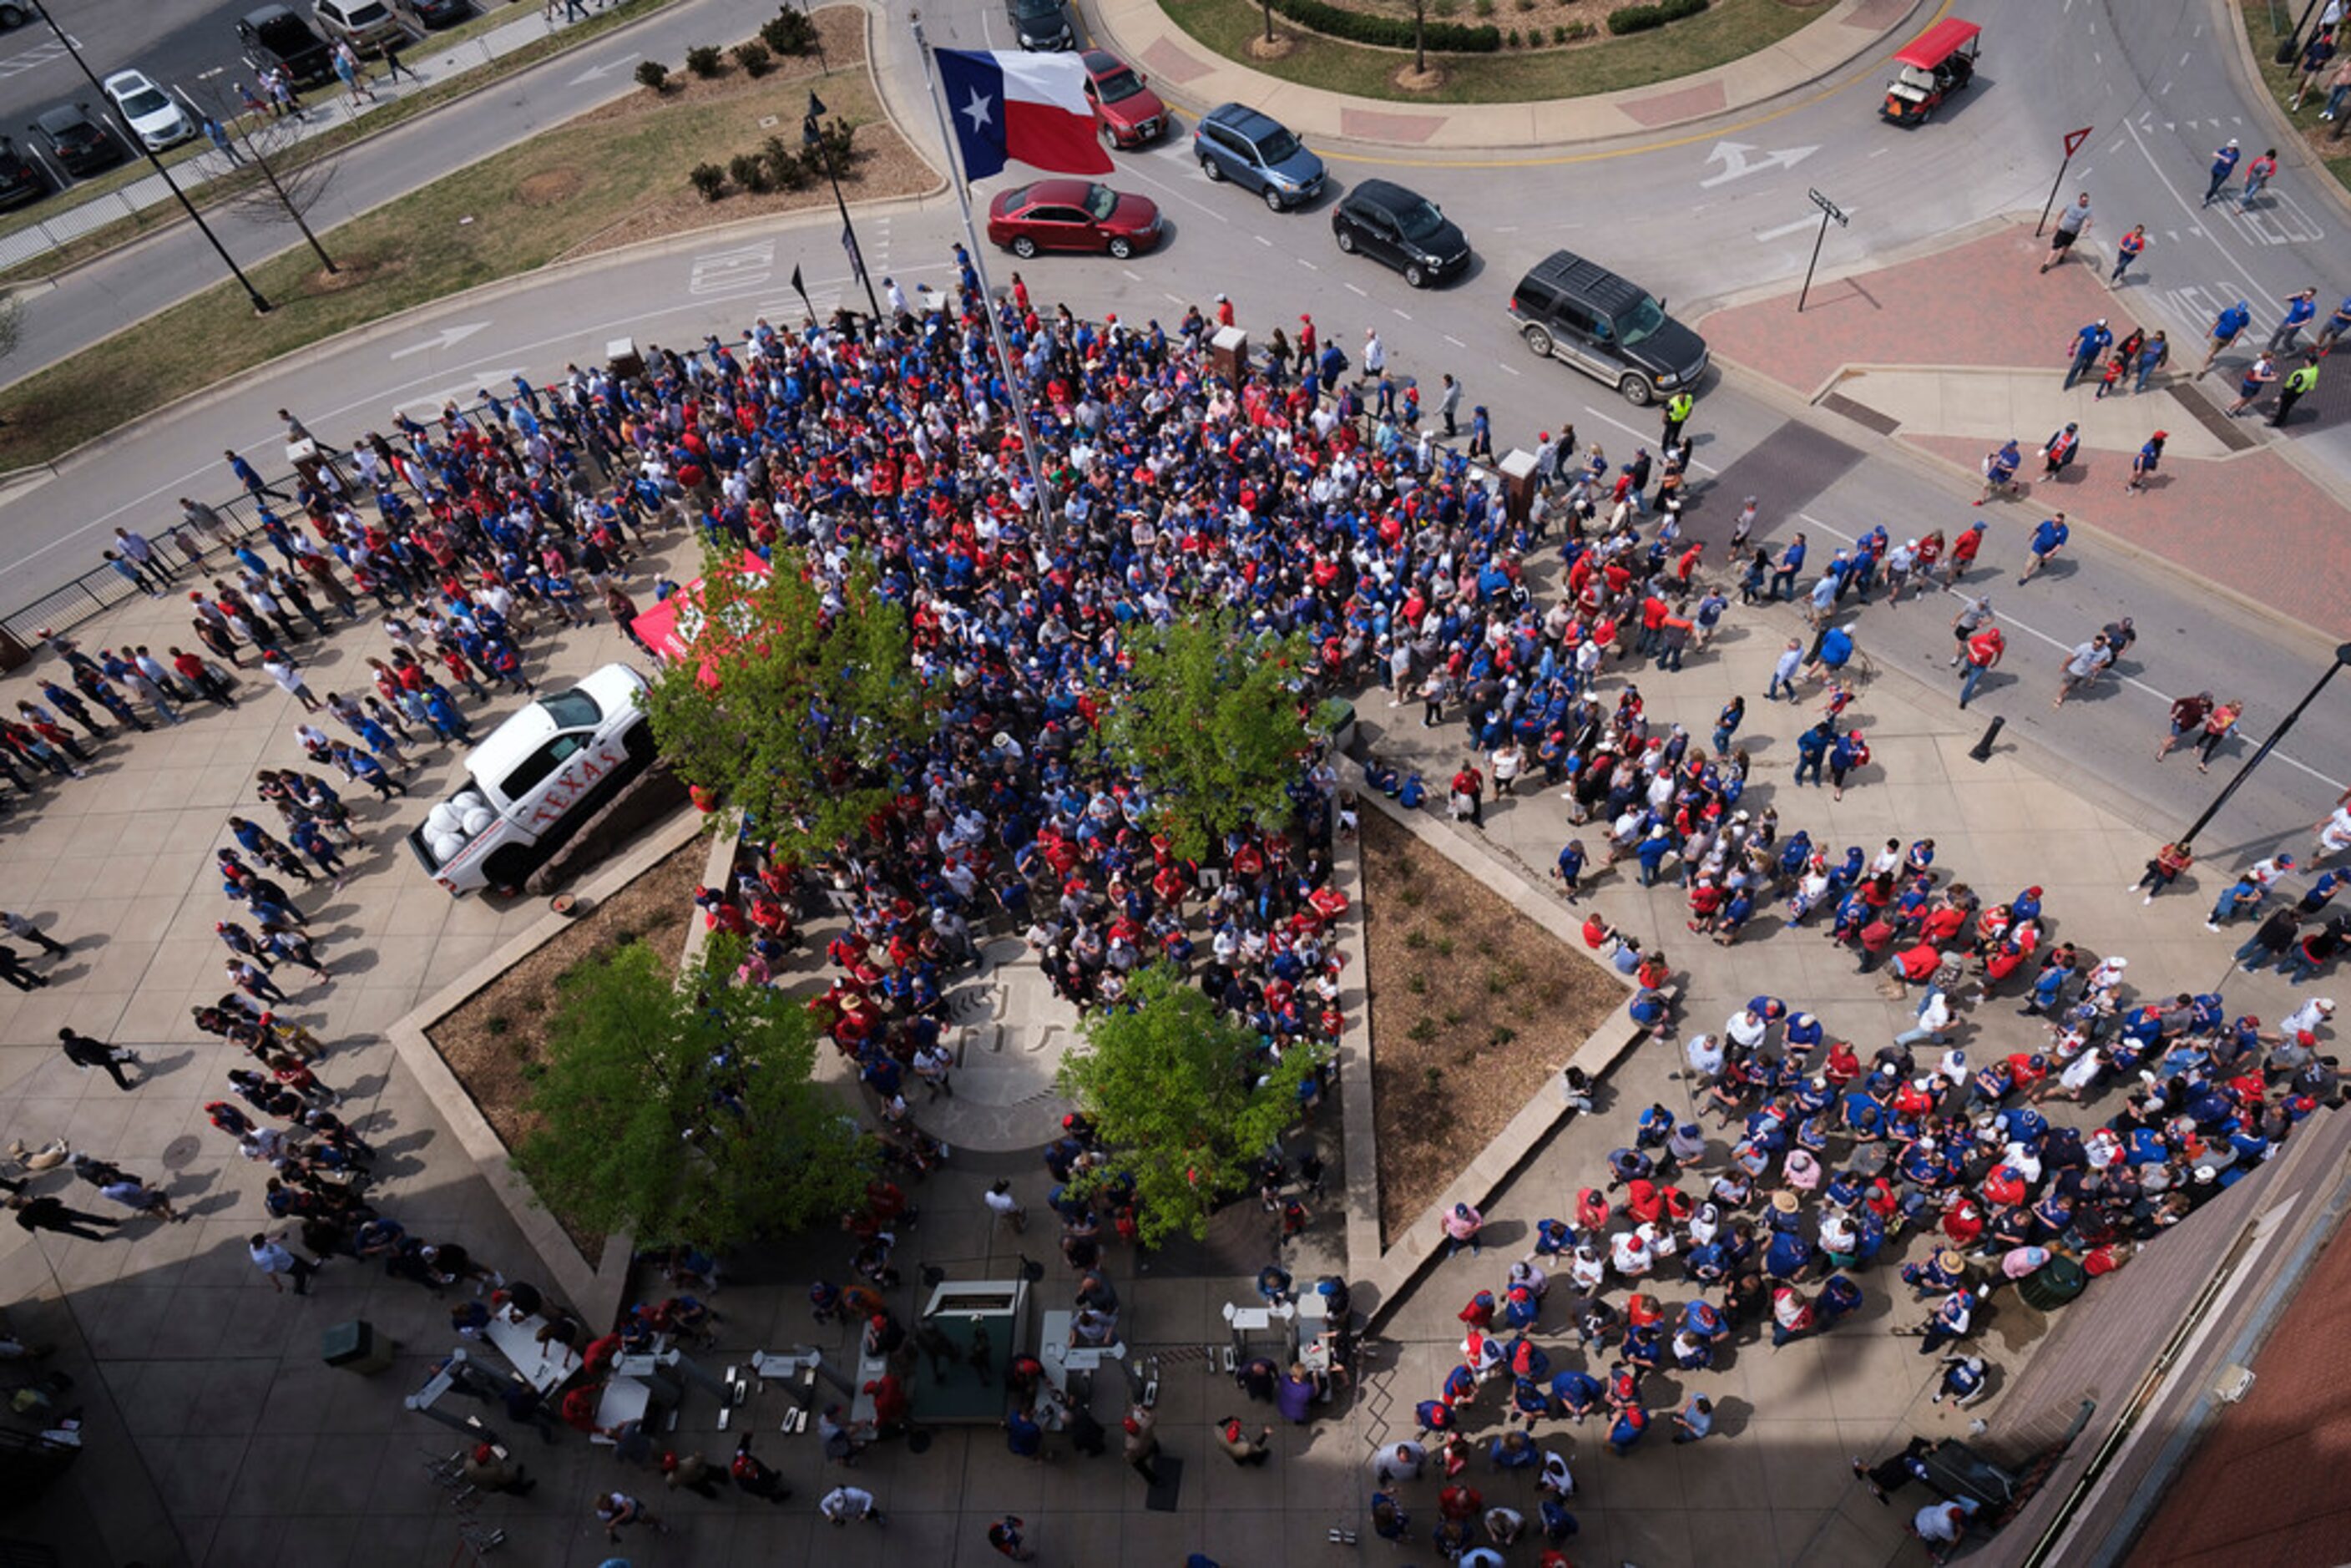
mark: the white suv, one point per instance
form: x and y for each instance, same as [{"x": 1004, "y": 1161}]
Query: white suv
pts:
[{"x": 154, "y": 116}]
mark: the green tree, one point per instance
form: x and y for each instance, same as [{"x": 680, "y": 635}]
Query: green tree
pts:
[
  {"x": 687, "y": 1112},
  {"x": 1173, "y": 1091},
  {"x": 786, "y": 707},
  {"x": 1213, "y": 720}
]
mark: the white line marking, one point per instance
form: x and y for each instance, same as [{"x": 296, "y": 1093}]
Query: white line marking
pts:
[
  {"x": 1454, "y": 340},
  {"x": 1130, "y": 275},
  {"x": 1358, "y": 290},
  {"x": 1263, "y": 241},
  {"x": 2225, "y": 253},
  {"x": 1306, "y": 264},
  {"x": 2036, "y": 632},
  {"x": 1400, "y": 314}
]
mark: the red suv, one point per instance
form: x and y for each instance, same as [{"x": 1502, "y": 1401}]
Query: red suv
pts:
[{"x": 1130, "y": 112}]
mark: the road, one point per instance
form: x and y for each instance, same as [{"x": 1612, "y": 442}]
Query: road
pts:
[{"x": 1704, "y": 216}]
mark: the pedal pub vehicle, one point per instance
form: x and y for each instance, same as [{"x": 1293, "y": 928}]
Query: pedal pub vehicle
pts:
[{"x": 1938, "y": 62}]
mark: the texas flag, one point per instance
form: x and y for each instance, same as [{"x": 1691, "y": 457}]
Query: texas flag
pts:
[{"x": 1005, "y": 105}]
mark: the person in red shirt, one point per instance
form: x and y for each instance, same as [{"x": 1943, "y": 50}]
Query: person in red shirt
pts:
[{"x": 1469, "y": 795}]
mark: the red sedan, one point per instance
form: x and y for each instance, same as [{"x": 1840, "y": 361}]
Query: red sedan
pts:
[
  {"x": 1131, "y": 113},
  {"x": 1072, "y": 215}
]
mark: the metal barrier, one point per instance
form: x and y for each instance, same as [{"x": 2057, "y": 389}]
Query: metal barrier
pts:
[{"x": 96, "y": 592}]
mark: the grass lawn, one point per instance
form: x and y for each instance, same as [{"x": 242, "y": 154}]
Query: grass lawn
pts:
[
  {"x": 1725, "y": 32},
  {"x": 618, "y": 170},
  {"x": 2265, "y": 24},
  {"x": 391, "y": 112}
]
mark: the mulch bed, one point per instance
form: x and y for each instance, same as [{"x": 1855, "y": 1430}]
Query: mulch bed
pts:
[
  {"x": 1474, "y": 1009},
  {"x": 496, "y": 1038}
]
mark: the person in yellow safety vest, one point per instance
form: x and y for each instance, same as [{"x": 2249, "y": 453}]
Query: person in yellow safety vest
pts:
[
  {"x": 2304, "y": 378},
  {"x": 1678, "y": 412}
]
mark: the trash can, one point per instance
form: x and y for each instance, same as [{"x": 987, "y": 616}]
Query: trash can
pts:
[
  {"x": 2053, "y": 1284},
  {"x": 355, "y": 1346},
  {"x": 1956, "y": 1471}
]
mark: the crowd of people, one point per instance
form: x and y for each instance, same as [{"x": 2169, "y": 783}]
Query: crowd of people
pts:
[{"x": 1305, "y": 504}]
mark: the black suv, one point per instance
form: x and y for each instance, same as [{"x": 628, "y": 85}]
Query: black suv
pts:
[
  {"x": 21, "y": 180},
  {"x": 1042, "y": 24},
  {"x": 79, "y": 144},
  {"x": 274, "y": 36},
  {"x": 1577, "y": 310},
  {"x": 1403, "y": 228}
]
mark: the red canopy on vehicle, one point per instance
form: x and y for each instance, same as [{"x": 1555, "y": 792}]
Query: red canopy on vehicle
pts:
[{"x": 1937, "y": 44}]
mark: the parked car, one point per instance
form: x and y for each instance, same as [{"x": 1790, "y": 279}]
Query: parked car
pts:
[
  {"x": 1072, "y": 214},
  {"x": 154, "y": 116},
  {"x": 1259, "y": 153},
  {"x": 1042, "y": 24},
  {"x": 21, "y": 179},
  {"x": 421, "y": 14},
  {"x": 11, "y": 15},
  {"x": 1577, "y": 310},
  {"x": 1381, "y": 219},
  {"x": 79, "y": 144},
  {"x": 1130, "y": 112},
  {"x": 534, "y": 780},
  {"x": 365, "y": 25},
  {"x": 274, "y": 36}
]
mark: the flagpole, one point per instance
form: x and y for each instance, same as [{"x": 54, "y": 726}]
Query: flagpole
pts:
[{"x": 1031, "y": 451}]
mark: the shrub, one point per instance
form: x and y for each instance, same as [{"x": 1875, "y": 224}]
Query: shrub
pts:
[
  {"x": 1424, "y": 1030},
  {"x": 789, "y": 32},
  {"x": 1641, "y": 18},
  {"x": 709, "y": 179},
  {"x": 652, "y": 73},
  {"x": 1559, "y": 34},
  {"x": 786, "y": 167},
  {"x": 703, "y": 60},
  {"x": 749, "y": 170},
  {"x": 1393, "y": 32},
  {"x": 1513, "y": 39},
  {"x": 755, "y": 57}
]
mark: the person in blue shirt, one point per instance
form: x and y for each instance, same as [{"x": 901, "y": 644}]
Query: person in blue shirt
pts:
[
  {"x": 1783, "y": 576},
  {"x": 1570, "y": 868},
  {"x": 1727, "y": 723},
  {"x": 2048, "y": 538},
  {"x": 1813, "y": 750},
  {"x": 2227, "y": 327},
  {"x": 2088, "y": 344},
  {"x": 2299, "y": 309},
  {"x": 2224, "y": 164}
]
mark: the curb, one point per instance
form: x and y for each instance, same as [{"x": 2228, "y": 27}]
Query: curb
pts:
[
  {"x": 594, "y": 1286},
  {"x": 1381, "y": 1278},
  {"x": 1310, "y": 119}
]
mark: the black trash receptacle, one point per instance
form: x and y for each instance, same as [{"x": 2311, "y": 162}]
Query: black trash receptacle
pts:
[
  {"x": 355, "y": 1346},
  {"x": 2053, "y": 1284}
]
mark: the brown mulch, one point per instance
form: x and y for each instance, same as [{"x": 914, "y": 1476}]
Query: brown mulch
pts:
[
  {"x": 1544, "y": 14},
  {"x": 498, "y": 1034},
  {"x": 1474, "y": 1009},
  {"x": 880, "y": 164}
]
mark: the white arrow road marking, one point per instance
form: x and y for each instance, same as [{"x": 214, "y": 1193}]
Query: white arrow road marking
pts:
[
  {"x": 447, "y": 338},
  {"x": 597, "y": 73},
  {"x": 1732, "y": 156}
]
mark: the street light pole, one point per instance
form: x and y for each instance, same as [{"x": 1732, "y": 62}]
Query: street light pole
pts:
[
  {"x": 260, "y": 306},
  {"x": 2342, "y": 657},
  {"x": 813, "y": 137}
]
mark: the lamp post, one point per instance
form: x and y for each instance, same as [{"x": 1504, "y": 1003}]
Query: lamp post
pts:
[
  {"x": 813, "y": 139},
  {"x": 260, "y": 306},
  {"x": 2342, "y": 657}
]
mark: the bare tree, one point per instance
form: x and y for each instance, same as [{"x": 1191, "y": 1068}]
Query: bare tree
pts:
[{"x": 289, "y": 186}]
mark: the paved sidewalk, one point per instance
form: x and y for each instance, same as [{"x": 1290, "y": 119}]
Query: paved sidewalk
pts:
[
  {"x": 1887, "y": 347},
  {"x": 1195, "y": 77}
]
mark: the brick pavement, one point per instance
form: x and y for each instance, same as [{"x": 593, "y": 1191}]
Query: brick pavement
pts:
[{"x": 2248, "y": 521}]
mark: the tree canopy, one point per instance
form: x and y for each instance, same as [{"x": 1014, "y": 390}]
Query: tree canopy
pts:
[
  {"x": 1212, "y": 719},
  {"x": 687, "y": 1112},
  {"x": 1172, "y": 1089},
  {"x": 787, "y": 704}
]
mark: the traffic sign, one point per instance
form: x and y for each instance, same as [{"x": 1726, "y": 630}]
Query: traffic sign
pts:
[
  {"x": 2073, "y": 139},
  {"x": 1830, "y": 208}
]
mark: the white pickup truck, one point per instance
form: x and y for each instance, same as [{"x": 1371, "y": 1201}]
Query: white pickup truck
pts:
[{"x": 535, "y": 780}]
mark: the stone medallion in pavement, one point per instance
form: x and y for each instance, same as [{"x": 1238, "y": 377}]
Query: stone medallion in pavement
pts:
[{"x": 1009, "y": 1031}]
